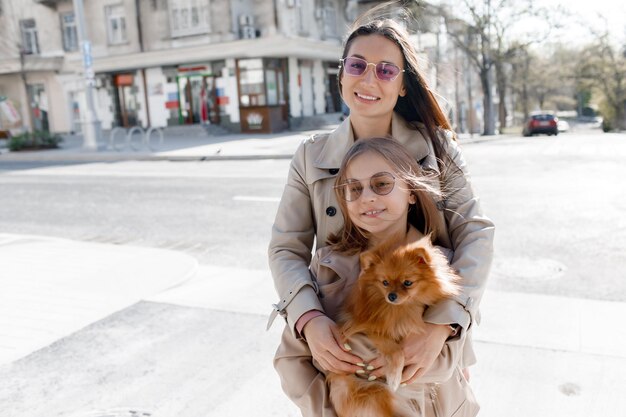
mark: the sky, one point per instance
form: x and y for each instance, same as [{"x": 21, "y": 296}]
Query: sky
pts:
[
  {"x": 582, "y": 13},
  {"x": 586, "y": 11}
]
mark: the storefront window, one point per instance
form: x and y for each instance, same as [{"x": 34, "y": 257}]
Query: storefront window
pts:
[
  {"x": 251, "y": 82},
  {"x": 261, "y": 82}
]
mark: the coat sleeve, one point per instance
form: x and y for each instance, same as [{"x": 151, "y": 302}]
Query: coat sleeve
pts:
[
  {"x": 471, "y": 234},
  {"x": 449, "y": 359},
  {"x": 301, "y": 381},
  {"x": 290, "y": 247}
]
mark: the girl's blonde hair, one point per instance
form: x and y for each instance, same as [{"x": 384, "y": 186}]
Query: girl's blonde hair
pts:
[{"x": 352, "y": 239}]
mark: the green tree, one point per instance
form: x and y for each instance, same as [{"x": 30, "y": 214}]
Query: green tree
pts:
[{"x": 603, "y": 66}]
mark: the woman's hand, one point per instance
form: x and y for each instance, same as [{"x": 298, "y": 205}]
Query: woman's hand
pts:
[
  {"x": 324, "y": 340},
  {"x": 420, "y": 352}
]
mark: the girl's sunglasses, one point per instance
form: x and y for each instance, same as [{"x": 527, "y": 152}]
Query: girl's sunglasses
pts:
[
  {"x": 381, "y": 183},
  {"x": 384, "y": 70}
]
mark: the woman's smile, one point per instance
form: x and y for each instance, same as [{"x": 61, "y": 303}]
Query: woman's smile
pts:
[{"x": 366, "y": 97}]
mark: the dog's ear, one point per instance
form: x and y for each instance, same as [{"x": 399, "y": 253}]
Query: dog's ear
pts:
[
  {"x": 369, "y": 258},
  {"x": 419, "y": 251}
]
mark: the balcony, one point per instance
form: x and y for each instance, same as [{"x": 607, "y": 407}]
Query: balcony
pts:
[{"x": 50, "y": 3}]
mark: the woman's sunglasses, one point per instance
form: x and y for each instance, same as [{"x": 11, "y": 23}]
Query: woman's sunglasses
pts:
[
  {"x": 384, "y": 70},
  {"x": 381, "y": 183}
]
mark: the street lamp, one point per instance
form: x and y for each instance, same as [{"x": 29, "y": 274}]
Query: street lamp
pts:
[{"x": 91, "y": 125}]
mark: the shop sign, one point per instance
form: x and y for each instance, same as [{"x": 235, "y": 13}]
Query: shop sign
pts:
[
  {"x": 255, "y": 120},
  {"x": 9, "y": 111},
  {"x": 123, "y": 80}
]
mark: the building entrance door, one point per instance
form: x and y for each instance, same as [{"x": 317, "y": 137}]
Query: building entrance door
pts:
[
  {"x": 198, "y": 99},
  {"x": 125, "y": 100},
  {"x": 38, "y": 100},
  {"x": 211, "y": 109}
]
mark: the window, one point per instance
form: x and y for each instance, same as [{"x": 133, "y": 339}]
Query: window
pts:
[
  {"x": 261, "y": 82},
  {"x": 116, "y": 24},
  {"x": 70, "y": 35},
  {"x": 30, "y": 45},
  {"x": 329, "y": 18},
  {"x": 189, "y": 17},
  {"x": 159, "y": 4},
  {"x": 251, "y": 84}
]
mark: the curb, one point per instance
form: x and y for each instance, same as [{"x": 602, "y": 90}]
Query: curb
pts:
[
  {"x": 148, "y": 157},
  {"x": 95, "y": 157}
]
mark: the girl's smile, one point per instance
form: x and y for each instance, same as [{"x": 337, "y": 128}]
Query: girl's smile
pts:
[{"x": 373, "y": 213}]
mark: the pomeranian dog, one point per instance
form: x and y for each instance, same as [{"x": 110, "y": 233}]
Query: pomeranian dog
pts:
[{"x": 386, "y": 305}]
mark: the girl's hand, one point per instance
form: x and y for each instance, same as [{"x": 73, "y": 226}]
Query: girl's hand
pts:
[
  {"x": 420, "y": 352},
  {"x": 324, "y": 340}
]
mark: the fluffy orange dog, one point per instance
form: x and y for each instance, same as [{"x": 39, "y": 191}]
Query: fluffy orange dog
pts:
[{"x": 386, "y": 304}]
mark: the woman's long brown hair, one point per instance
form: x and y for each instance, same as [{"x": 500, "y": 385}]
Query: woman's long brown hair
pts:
[{"x": 419, "y": 106}]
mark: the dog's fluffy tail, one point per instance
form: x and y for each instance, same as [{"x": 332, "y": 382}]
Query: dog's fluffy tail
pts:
[{"x": 353, "y": 397}]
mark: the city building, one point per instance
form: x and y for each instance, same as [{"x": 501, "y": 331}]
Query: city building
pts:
[
  {"x": 248, "y": 65},
  {"x": 242, "y": 65}
]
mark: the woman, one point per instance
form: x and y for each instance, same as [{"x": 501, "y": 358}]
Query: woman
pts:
[{"x": 380, "y": 83}]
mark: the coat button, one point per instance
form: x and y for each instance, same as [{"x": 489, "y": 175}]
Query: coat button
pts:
[
  {"x": 333, "y": 171},
  {"x": 331, "y": 211}
]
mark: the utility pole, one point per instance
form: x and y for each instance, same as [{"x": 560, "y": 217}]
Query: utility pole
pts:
[{"x": 92, "y": 131}]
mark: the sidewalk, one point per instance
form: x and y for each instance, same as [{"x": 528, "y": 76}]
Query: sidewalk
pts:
[
  {"x": 51, "y": 288},
  {"x": 194, "y": 146},
  {"x": 98, "y": 330}
]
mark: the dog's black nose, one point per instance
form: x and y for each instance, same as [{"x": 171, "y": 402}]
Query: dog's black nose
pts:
[{"x": 392, "y": 296}]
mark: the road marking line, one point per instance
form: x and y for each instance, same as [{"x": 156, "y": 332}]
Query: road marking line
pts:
[{"x": 254, "y": 198}]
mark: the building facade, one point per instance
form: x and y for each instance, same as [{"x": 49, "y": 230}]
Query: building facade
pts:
[
  {"x": 249, "y": 65},
  {"x": 245, "y": 65}
]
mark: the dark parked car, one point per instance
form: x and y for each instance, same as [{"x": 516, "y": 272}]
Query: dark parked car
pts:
[{"x": 541, "y": 123}]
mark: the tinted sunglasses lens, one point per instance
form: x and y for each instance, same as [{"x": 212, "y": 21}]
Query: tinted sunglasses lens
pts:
[
  {"x": 382, "y": 184},
  {"x": 354, "y": 66},
  {"x": 351, "y": 190},
  {"x": 386, "y": 72}
]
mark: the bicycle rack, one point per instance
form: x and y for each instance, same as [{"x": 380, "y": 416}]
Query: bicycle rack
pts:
[
  {"x": 129, "y": 137},
  {"x": 148, "y": 137},
  {"x": 129, "y": 141},
  {"x": 112, "y": 143}
]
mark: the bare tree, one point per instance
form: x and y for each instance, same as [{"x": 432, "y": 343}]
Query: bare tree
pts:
[
  {"x": 473, "y": 37},
  {"x": 491, "y": 37}
]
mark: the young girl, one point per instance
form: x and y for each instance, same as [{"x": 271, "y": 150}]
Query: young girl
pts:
[{"x": 384, "y": 195}]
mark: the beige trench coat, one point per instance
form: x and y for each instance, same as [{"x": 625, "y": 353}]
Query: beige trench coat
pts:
[
  {"x": 308, "y": 213},
  {"x": 441, "y": 392}
]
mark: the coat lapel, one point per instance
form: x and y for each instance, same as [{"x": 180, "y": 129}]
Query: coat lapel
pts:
[{"x": 337, "y": 145}]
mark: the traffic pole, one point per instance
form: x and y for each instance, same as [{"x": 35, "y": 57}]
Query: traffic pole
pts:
[{"x": 91, "y": 126}]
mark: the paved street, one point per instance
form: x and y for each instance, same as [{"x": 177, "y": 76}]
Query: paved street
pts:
[
  {"x": 557, "y": 203},
  {"x": 200, "y": 348}
]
